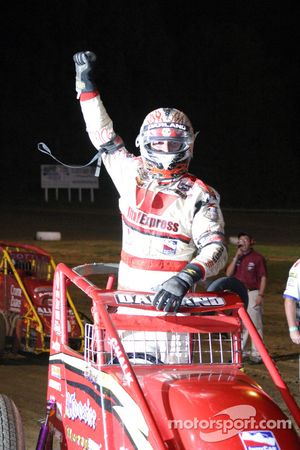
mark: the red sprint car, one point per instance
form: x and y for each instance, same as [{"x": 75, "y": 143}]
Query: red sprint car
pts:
[
  {"x": 149, "y": 380},
  {"x": 26, "y": 284}
]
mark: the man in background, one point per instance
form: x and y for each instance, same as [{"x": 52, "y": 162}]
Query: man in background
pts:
[
  {"x": 250, "y": 268},
  {"x": 291, "y": 297}
]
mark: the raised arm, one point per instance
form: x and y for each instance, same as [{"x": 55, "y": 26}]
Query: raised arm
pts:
[{"x": 98, "y": 123}]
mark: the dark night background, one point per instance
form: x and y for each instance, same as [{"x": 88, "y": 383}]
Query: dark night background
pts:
[{"x": 232, "y": 66}]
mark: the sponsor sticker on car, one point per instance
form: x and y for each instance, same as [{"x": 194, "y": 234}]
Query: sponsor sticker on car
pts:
[
  {"x": 259, "y": 440},
  {"x": 146, "y": 299}
]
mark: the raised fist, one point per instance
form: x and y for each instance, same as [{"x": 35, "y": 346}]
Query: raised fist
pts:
[
  {"x": 84, "y": 62},
  {"x": 86, "y": 57}
]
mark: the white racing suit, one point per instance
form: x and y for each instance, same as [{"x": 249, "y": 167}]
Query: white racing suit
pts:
[{"x": 166, "y": 224}]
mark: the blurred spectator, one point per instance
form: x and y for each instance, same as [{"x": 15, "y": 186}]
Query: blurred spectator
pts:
[
  {"x": 250, "y": 268},
  {"x": 292, "y": 301}
]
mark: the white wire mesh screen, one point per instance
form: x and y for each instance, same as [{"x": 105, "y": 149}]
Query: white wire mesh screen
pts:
[{"x": 145, "y": 347}]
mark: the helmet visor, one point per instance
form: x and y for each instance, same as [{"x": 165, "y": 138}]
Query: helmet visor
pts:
[
  {"x": 166, "y": 146},
  {"x": 178, "y": 136}
]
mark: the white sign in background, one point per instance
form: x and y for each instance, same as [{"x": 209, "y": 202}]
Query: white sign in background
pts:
[{"x": 61, "y": 177}]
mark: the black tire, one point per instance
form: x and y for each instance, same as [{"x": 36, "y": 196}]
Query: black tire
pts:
[
  {"x": 11, "y": 427},
  {"x": 230, "y": 284},
  {"x": 2, "y": 334}
]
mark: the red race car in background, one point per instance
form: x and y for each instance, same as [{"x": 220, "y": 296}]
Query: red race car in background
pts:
[
  {"x": 26, "y": 284},
  {"x": 120, "y": 394}
]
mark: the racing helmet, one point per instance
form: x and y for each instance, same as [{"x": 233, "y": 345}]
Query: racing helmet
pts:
[{"x": 166, "y": 142}]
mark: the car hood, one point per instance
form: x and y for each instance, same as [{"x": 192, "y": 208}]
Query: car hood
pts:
[{"x": 212, "y": 408}]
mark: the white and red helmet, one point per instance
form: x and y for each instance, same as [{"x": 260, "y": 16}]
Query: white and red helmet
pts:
[{"x": 172, "y": 125}]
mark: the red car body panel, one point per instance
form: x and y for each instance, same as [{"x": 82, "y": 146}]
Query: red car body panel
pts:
[{"x": 102, "y": 399}]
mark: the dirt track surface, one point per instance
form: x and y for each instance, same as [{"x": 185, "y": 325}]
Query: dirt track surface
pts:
[{"x": 84, "y": 231}]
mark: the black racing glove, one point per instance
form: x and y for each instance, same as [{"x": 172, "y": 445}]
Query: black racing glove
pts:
[
  {"x": 84, "y": 62},
  {"x": 172, "y": 291}
]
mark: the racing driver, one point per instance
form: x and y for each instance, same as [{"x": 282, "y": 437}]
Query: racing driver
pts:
[{"x": 173, "y": 228}]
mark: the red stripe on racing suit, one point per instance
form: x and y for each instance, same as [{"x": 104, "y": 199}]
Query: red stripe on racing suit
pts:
[{"x": 165, "y": 265}]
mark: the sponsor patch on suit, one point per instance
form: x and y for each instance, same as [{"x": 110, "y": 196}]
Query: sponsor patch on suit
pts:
[{"x": 169, "y": 247}]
